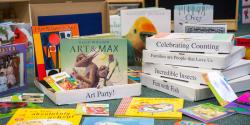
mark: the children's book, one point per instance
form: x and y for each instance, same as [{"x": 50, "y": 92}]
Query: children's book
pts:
[
  {"x": 7, "y": 109},
  {"x": 13, "y": 75},
  {"x": 32, "y": 116},
  {"x": 117, "y": 121},
  {"x": 205, "y": 28},
  {"x": 24, "y": 97},
  {"x": 244, "y": 41},
  {"x": 241, "y": 105},
  {"x": 207, "y": 112},
  {"x": 245, "y": 15},
  {"x": 158, "y": 108},
  {"x": 186, "y": 122},
  {"x": 137, "y": 24},
  {"x": 115, "y": 24},
  {"x": 95, "y": 62},
  {"x": 192, "y": 13},
  {"x": 92, "y": 109},
  {"x": 220, "y": 88},
  {"x": 62, "y": 81},
  {"x": 47, "y": 49}
]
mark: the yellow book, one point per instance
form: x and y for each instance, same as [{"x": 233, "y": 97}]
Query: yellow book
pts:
[
  {"x": 26, "y": 116},
  {"x": 158, "y": 108}
]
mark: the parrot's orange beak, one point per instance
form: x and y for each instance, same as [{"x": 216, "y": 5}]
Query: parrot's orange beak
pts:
[{"x": 147, "y": 30}]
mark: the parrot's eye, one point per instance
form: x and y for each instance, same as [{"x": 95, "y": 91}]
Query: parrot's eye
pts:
[{"x": 135, "y": 31}]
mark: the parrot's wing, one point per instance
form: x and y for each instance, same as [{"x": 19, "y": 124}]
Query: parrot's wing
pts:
[{"x": 131, "y": 54}]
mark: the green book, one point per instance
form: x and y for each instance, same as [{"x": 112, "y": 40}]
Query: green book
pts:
[{"x": 95, "y": 62}]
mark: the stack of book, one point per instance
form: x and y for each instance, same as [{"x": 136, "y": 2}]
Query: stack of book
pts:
[{"x": 175, "y": 63}]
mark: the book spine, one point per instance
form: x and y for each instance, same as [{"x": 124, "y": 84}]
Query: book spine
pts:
[{"x": 188, "y": 45}]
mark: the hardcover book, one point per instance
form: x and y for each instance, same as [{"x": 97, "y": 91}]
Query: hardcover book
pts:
[
  {"x": 158, "y": 108},
  {"x": 241, "y": 105},
  {"x": 13, "y": 75},
  {"x": 117, "y": 121},
  {"x": 92, "y": 109},
  {"x": 205, "y": 28},
  {"x": 192, "y": 13},
  {"x": 207, "y": 112},
  {"x": 95, "y": 62},
  {"x": 244, "y": 41},
  {"x": 191, "y": 42},
  {"x": 47, "y": 49},
  {"x": 220, "y": 88},
  {"x": 137, "y": 24},
  {"x": 34, "y": 116}
]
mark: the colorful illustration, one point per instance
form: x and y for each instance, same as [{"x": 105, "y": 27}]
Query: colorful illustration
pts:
[
  {"x": 220, "y": 88},
  {"x": 207, "y": 112},
  {"x": 47, "y": 48},
  {"x": 95, "y": 62},
  {"x": 244, "y": 41},
  {"x": 27, "y": 116},
  {"x": 161, "y": 108},
  {"x": 117, "y": 121},
  {"x": 185, "y": 122},
  {"x": 245, "y": 15},
  {"x": 92, "y": 109},
  {"x": 241, "y": 105}
]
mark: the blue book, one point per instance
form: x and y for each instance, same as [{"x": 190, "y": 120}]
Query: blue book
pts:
[
  {"x": 88, "y": 23},
  {"x": 117, "y": 121}
]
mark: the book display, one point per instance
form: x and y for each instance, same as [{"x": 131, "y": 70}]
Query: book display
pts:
[{"x": 118, "y": 62}]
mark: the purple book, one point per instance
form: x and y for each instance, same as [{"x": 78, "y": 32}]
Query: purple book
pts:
[
  {"x": 241, "y": 105},
  {"x": 12, "y": 68}
]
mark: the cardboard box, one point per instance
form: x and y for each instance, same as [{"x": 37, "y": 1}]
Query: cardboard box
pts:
[
  {"x": 190, "y": 91},
  {"x": 194, "y": 75},
  {"x": 208, "y": 61},
  {"x": 90, "y": 94},
  {"x": 191, "y": 42}
]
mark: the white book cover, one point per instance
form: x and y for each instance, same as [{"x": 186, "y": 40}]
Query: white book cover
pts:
[
  {"x": 115, "y": 24},
  {"x": 208, "y": 61},
  {"x": 192, "y": 13},
  {"x": 191, "y": 42},
  {"x": 205, "y": 28},
  {"x": 246, "y": 15},
  {"x": 137, "y": 24}
]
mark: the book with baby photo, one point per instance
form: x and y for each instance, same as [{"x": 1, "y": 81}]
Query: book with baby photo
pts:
[
  {"x": 12, "y": 68},
  {"x": 95, "y": 62}
]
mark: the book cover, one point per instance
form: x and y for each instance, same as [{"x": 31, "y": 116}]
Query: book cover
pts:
[
  {"x": 24, "y": 97},
  {"x": 7, "y": 109},
  {"x": 137, "y": 24},
  {"x": 159, "y": 108},
  {"x": 32, "y": 116},
  {"x": 245, "y": 15},
  {"x": 191, "y": 42},
  {"x": 95, "y": 62},
  {"x": 207, "y": 112},
  {"x": 117, "y": 121},
  {"x": 115, "y": 24},
  {"x": 244, "y": 41},
  {"x": 47, "y": 49},
  {"x": 186, "y": 122},
  {"x": 92, "y": 109},
  {"x": 241, "y": 105},
  {"x": 192, "y": 13},
  {"x": 13, "y": 75},
  {"x": 205, "y": 28},
  {"x": 220, "y": 88}
]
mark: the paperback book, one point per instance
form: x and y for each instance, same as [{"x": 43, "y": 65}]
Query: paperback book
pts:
[
  {"x": 207, "y": 112},
  {"x": 13, "y": 75},
  {"x": 205, "y": 28},
  {"x": 47, "y": 47},
  {"x": 241, "y": 105},
  {"x": 92, "y": 109},
  {"x": 191, "y": 42},
  {"x": 220, "y": 88},
  {"x": 117, "y": 121},
  {"x": 137, "y": 24},
  {"x": 95, "y": 62},
  {"x": 32, "y": 116},
  {"x": 158, "y": 108}
]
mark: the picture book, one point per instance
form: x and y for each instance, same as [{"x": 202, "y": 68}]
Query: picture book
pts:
[
  {"x": 205, "y": 28},
  {"x": 186, "y": 122},
  {"x": 117, "y": 121},
  {"x": 244, "y": 41},
  {"x": 95, "y": 62},
  {"x": 24, "y": 97},
  {"x": 137, "y": 24},
  {"x": 13, "y": 75},
  {"x": 7, "y": 109},
  {"x": 47, "y": 49},
  {"x": 207, "y": 112},
  {"x": 158, "y": 108},
  {"x": 220, "y": 88},
  {"x": 192, "y": 13},
  {"x": 32, "y": 116},
  {"x": 241, "y": 105},
  {"x": 245, "y": 15},
  {"x": 92, "y": 109},
  {"x": 62, "y": 81},
  {"x": 115, "y": 24}
]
